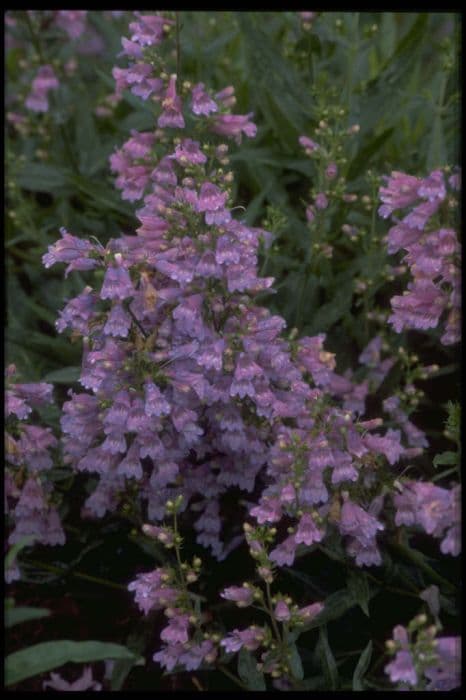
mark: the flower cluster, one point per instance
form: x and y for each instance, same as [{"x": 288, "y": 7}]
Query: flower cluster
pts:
[
  {"x": 329, "y": 183},
  {"x": 148, "y": 32},
  {"x": 28, "y": 494},
  {"x": 186, "y": 642},
  {"x": 193, "y": 390},
  {"x": 280, "y": 609},
  {"x": 432, "y": 250},
  {"x": 73, "y": 22},
  {"x": 422, "y": 660},
  {"x": 174, "y": 320}
]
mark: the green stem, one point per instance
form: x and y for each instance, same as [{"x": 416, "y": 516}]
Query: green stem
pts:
[
  {"x": 280, "y": 639},
  {"x": 178, "y": 48},
  {"x": 453, "y": 470},
  {"x": 34, "y": 38},
  {"x": 270, "y": 611},
  {"x": 136, "y": 322},
  {"x": 379, "y": 661},
  {"x": 419, "y": 561},
  {"x": 76, "y": 574},
  {"x": 178, "y": 556},
  {"x": 391, "y": 589},
  {"x": 354, "y": 48}
]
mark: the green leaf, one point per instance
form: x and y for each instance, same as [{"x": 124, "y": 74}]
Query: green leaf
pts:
[
  {"x": 40, "y": 177},
  {"x": 296, "y": 665},
  {"x": 404, "y": 51},
  {"x": 315, "y": 683},
  {"x": 446, "y": 458},
  {"x": 141, "y": 121},
  {"x": 248, "y": 672},
  {"x": 335, "y": 605},
  {"x": 361, "y": 668},
  {"x": 109, "y": 31},
  {"x": 387, "y": 34},
  {"x": 453, "y": 422},
  {"x": 277, "y": 85},
  {"x": 16, "y": 548},
  {"x": 332, "y": 311},
  {"x": 437, "y": 150},
  {"x": 55, "y": 348},
  {"x": 120, "y": 673},
  {"x": 150, "y": 547},
  {"x": 329, "y": 665},
  {"x": 362, "y": 160},
  {"x": 90, "y": 152},
  {"x": 102, "y": 195},
  {"x": 359, "y": 588},
  {"x": 66, "y": 375},
  {"x": 46, "y": 656},
  {"x": 40, "y": 311},
  {"x": 20, "y": 614}
]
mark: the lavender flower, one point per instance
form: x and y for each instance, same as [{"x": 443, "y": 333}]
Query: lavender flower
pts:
[
  {"x": 250, "y": 638},
  {"x": 84, "y": 682},
  {"x": 402, "y": 668},
  {"x": 172, "y": 110},
  {"x": 446, "y": 673},
  {"x": 151, "y": 592},
  {"x": 202, "y": 103},
  {"x": 73, "y": 22},
  {"x": 45, "y": 80},
  {"x": 242, "y": 596}
]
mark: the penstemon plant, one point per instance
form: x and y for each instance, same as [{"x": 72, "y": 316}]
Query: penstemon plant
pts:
[{"x": 194, "y": 395}]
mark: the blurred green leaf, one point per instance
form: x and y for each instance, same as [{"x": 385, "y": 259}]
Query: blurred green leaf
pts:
[
  {"x": 90, "y": 152},
  {"x": 280, "y": 90},
  {"x": 20, "y": 614},
  {"x": 315, "y": 683},
  {"x": 121, "y": 671},
  {"x": 361, "y": 667},
  {"x": 332, "y": 311},
  {"x": 329, "y": 665},
  {"x": 436, "y": 156},
  {"x": 46, "y": 656},
  {"x": 296, "y": 665},
  {"x": 248, "y": 672},
  {"x": 102, "y": 194},
  {"x": 359, "y": 587},
  {"x": 446, "y": 458},
  {"x": 67, "y": 375},
  {"x": 361, "y": 162},
  {"x": 40, "y": 177},
  {"x": 16, "y": 549}
]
